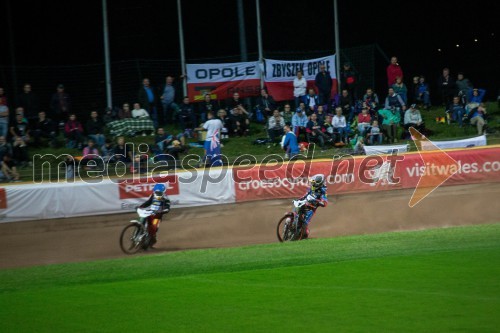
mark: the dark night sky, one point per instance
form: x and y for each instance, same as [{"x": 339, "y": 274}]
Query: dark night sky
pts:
[{"x": 60, "y": 32}]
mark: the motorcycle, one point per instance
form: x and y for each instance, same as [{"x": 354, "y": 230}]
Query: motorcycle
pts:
[
  {"x": 137, "y": 235},
  {"x": 291, "y": 226}
]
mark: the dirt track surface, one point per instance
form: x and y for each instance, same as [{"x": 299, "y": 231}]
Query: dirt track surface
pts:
[{"x": 89, "y": 238}]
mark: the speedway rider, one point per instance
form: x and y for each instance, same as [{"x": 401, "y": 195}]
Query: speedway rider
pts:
[
  {"x": 159, "y": 203},
  {"x": 315, "y": 197}
]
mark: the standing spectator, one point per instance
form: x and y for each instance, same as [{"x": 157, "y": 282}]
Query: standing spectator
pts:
[
  {"x": 339, "y": 124},
  {"x": 124, "y": 112},
  {"x": 187, "y": 117},
  {"x": 213, "y": 126},
  {"x": 95, "y": 129},
  {"x": 287, "y": 113},
  {"x": 364, "y": 121},
  {"x": 29, "y": 102},
  {"x": 349, "y": 79},
  {"x": 314, "y": 132},
  {"x": 456, "y": 111},
  {"x": 414, "y": 90},
  {"x": 275, "y": 126},
  {"x": 463, "y": 87},
  {"x": 394, "y": 102},
  {"x": 60, "y": 105},
  {"x": 413, "y": 118},
  {"x": 323, "y": 82},
  {"x": 290, "y": 144},
  {"x": 266, "y": 103},
  {"x": 3, "y": 97},
  {"x": 477, "y": 118},
  {"x": 4, "y": 119},
  {"x": 423, "y": 94},
  {"x": 226, "y": 123},
  {"x": 391, "y": 118},
  {"x": 20, "y": 129},
  {"x": 347, "y": 105},
  {"x": 44, "y": 128},
  {"x": 240, "y": 121},
  {"x": 394, "y": 70},
  {"x": 400, "y": 89},
  {"x": 74, "y": 132},
  {"x": 147, "y": 98},
  {"x": 299, "y": 88},
  {"x": 208, "y": 105},
  {"x": 446, "y": 86},
  {"x": 299, "y": 123},
  {"x": 311, "y": 100},
  {"x": 168, "y": 96}
]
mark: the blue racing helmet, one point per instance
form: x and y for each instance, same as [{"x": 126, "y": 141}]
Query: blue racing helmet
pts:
[
  {"x": 317, "y": 182},
  {"x": 159, "y": 190}
]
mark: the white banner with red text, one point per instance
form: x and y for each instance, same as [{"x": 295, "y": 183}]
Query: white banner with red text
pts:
[
  {"x": 279, "y": 75},
  {"x": 221, "y": 81},
  {"x": 57, "y": 200}
]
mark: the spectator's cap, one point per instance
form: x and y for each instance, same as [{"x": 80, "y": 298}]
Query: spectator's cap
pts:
[
  {"x": 475, "y": 89},
  {"x": 298, "y": 110},
  {"x": 413, "y": 106},
  {"x": 60, "y": 86}
]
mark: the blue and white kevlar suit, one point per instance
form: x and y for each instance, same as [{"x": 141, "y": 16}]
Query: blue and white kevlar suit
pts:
[{"x": 316, "y": 198}]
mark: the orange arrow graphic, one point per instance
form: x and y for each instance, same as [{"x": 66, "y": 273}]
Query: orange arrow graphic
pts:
[{"x": 439, "y": 166}]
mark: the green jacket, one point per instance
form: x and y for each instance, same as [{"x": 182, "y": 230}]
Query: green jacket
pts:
[{"x": 389, "y": 116}]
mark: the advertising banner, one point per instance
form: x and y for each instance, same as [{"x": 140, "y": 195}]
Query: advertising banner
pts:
[
  {"x": 279, "y": 75},
  {"x": 477, "y": 141},
  {"x": 221, "y": 81}
]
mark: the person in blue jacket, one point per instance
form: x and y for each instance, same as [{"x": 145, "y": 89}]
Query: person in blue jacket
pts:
[{"x": 290, "y": 143}]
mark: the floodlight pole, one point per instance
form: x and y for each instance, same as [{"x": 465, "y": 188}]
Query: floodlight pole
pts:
[
  {"x": 259, "y": 39},
  {"x": 337, "y": 44},
  {"x": 181, "y": 44},
  {"x": 107, "y": 65},
  {"x": 241, "y": 24}
]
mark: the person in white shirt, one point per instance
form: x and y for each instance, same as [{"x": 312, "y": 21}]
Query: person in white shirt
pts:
[
  {"x": 275, "y": 126},
  {"x": 299, "y": 88},
  {"x": 339, "y": 124},
  {"x": 213, "y": 126},
  {"x": 137, "y": 112}
]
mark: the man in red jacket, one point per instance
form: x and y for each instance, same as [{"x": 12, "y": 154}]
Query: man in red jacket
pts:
[{"x": 393, "y": 71}]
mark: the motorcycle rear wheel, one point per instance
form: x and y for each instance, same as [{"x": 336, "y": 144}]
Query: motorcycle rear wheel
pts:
[{"x": 132, "y": 238}]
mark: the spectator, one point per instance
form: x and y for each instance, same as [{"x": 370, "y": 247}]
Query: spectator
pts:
[
  {"x": 476, "y": 95},
  {"x": 320, "y": 114},
  {"x": 275, "y": 126},
  {"x": 226, "y": 123},
  {"x": 122, "y": 154},
  {"x": 187, "y": 117},
  {"x": 208, "y": 105},
  {"x": 477, "y": 118},
  {"x": 20, "y": 152},
  {"x": 147, "y": 99},
  {"x": 456, "y": 111},
  {"x": 375, "y": 135},
  {"x": 347, "y": 105},
  {"x": 109, "y": 116},
  {"x": 241, "y": 122},
  {"x": 359, "y": 147},
  {"x": 371, "y": 99},
  {"x": 9, "y": 169},
  {"x": 29, "y": 102},
  {"x": 391, "y": 118},
  {"x": 60, "y": 105},
  {"x": 299, "y": 122},
  {"x": 290, "y": 144},
  {"x": 315, "y": 133},
  {"x": 299, "y": 88},
  {"x": 287, "y": 113},
  {"x": 124, "y": 112},
  {"x": 91, "y": 153},
  {"x": 423, "y": 94},
  {"x": 414, "y": 90},
  {"x": 20, "y": 128},
  {"x": 95, "y": 129},
  {"x": 328, "y": 128},
  {"x": 302, "y": 108},
  {"x": 413, "y": 118},
  {"x": 44, "y": 128},
  {"x": 311, "y": 101},
  {"x": 168, "y": 97},
  {"x": 266, "y": 103},
  {"x": 139, "y": 112},
  {"x": 3, "y": 97},
  {"x": 107, "y": 151},
  {"x": 4, "y": 119},
  {"x": 323, "y": 82},
  {"x": 400, "y": 89},
  {"x": 364, "y": 121},
  {"x": 139, "y": 164},
  {"x": 349, "y": 79},
  {"x": 5, "y": 148},
  {"x": 339, "y": 124},
  {"x": 463, "y": 87},
  {"x": 212, "y": 145},
  {"x": 393, "y": 71},
  {"x": 233, "y": 102},
  {"x": 446, "y": 87},
  {"x": 74, "y": 132},
  {"x": 395, "y": 102}
]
